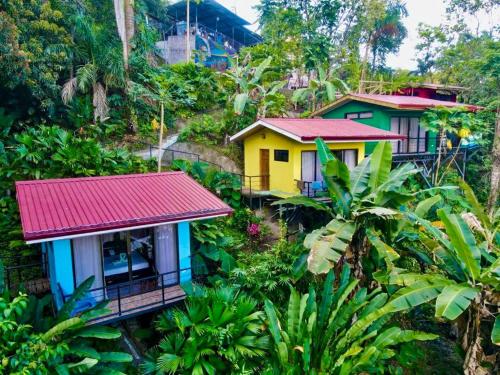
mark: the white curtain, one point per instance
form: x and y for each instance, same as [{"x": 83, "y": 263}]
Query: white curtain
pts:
[
  {"x": 308, "y": 165},
  {"x": 413, "y": 139},
  {"x": 395, "y": 129},
  {"x": 350, "y": 158},
  {"x": 87, "y": 261},
  {"x": 166, "y": 253}
]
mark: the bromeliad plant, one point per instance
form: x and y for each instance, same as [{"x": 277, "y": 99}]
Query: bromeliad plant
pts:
[
  {"x": 336, "y": 334},
  {"x": 220, "y": 331},
  {"x": 467, "y": 254},
  {"x": 364, "y": 201}
]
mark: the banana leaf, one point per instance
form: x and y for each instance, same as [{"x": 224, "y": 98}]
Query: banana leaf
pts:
[{"x": 454, "y": 300}]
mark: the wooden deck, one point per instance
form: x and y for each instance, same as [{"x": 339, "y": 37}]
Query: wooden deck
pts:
[{"x": 140, "y": 303}]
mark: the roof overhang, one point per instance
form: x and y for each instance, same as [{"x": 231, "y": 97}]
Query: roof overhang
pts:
[
  {"x": 261, "y": 124},
  {"x": 402, "y": 107},
  {"x": 82, "y": 233},
  {"x": 258, "y": 125}
]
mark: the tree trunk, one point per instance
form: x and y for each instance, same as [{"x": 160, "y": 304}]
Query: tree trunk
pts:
[
  {"x": 471, "y": 341},
  {"x": 129, "y": 29},
  {"x": 495, "y": 169},
  {"x": 364, "y": 67}
]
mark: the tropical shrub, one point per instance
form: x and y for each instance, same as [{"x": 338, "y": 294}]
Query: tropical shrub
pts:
[
  {"x": 221, "y": 330},
  {"x": 31, "y": 343},
  {"x": 205, "y": 131},
  {"x": 269, "y": 272},
  {"x": 210, "y": 250},
  {"x": 335, "y": 334},
  {"x": 226, "y": 185},
  {"x": 467, "y": 254},
  {"x": 251, "y": 91},
  {"x": 364, "y": 202},
  {"x": 51, "y": 152}
]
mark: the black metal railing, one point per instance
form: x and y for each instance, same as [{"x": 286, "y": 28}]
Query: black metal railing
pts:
[
  {"x": 26, "y": 272},
  {"x": 133, "y": 296},
  {"x": 311, "y": 189}
]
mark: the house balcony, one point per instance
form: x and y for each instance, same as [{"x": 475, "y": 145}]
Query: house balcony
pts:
[{"x": 128, "y": 299}]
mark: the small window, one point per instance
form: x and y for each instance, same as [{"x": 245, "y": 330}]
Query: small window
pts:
[
  {"x": 366, "y": 115},
  {"x": 358, "y": 115},
  {"x": 281, "y": 155}
]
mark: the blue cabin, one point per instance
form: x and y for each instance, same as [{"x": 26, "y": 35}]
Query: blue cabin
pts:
[{"x": 131, "y": 232}]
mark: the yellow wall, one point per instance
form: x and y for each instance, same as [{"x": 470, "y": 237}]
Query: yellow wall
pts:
[{"x": 283, "y": 174}]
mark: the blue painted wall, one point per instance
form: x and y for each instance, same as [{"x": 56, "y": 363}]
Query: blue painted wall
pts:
[
  {"x": 184, "y": 241},
  {"x": 60, "y": 268}
]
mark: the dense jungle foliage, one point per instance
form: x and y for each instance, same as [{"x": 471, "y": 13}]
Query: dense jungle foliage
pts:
[{"x": 389, "y": 277}]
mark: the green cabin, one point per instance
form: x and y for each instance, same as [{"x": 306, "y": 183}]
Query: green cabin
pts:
[{"x": 396, "y": 113}]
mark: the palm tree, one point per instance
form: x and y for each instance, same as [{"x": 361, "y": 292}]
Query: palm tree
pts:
[
  {"x": 98, "y": 66},
  {"x": 124, "y": 15},
  {"x": 219, "y": 331}
]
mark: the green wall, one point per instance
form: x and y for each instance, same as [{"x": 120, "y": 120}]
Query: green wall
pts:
[{"x": 381, "y": 119}]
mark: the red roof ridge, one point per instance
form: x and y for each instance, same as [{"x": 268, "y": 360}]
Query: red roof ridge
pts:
[{"x": 92, "y": 178}]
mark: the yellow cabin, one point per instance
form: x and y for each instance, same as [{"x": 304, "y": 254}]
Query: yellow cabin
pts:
[{"x": 280, "y": 155}]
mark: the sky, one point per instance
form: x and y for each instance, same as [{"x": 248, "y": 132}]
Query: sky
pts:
[{"x": 431, "y": 12}]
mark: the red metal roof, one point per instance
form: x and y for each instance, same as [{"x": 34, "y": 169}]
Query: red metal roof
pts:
[
  {"x": 327, "y": 129},
  {"x": 71, "y": 206},
  {"x": 396, "y": 102},
  {"x": 412, "y": 102}
]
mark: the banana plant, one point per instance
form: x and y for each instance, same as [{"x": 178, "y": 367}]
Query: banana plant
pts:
[
  {"x": 250, "y": 88},
  {"x": 339, "y": 334},
  {"x": 321, "y": 90},
  {"x": 363, "y": 201},
  {"x": 61, "y": 345},
  {"x": 467, "y": 253}
]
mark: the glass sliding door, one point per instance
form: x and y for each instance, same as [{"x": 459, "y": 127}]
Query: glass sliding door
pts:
[
  {"x": 128, "y": 259},
  {"x": 416, "y": 135},
  {"x": 311, "y": 176}
]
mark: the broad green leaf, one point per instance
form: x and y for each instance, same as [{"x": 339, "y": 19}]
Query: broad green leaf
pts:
[
  {"x": 495, "y": 332},
  {"x": 397, "y": 177},
  {"x": 327, "y": 244},
  {"x": 415, "y": 294},
  {"x": 293, "y": 315},
  {"x": 331, "y": 91},
  {"x": 300, "y": 200},
  {"x": 260, "y": 70},
  {"x": 100, "y": 332},
  {"x": 274, "y": 324},
  {"x": 454, "y": 300},
  {"x": 324, "y": 152},
  {"x": 359, "y": 178},
  {"x": 115, "y": 357},
  {"x": 339, "y": 170},
  {"x": 463, "y": 242},
  {"x": 424, "y": 206},
  {"x": 477, "y": 209},
  {"x": 62, "y": 327},
  {"x": 380, "y": 164},
  {"x": 384, "y": 250},
  {"x": 240, "y": 101},
  {"x": 340, "y": 195}
]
